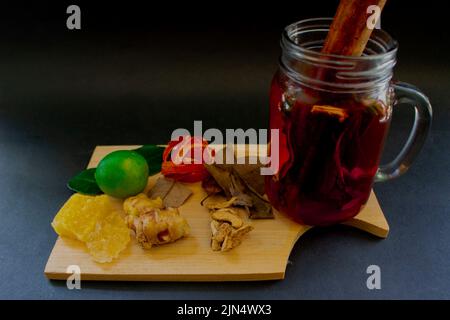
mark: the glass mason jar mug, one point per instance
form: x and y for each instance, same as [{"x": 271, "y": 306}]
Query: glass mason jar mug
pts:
[{"x": 333, "y": 114}]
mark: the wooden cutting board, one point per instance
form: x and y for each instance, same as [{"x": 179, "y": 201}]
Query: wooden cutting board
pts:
[{"x": 263, "y": 254}]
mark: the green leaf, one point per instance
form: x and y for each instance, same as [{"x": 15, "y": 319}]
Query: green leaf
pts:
[
  {"x": 153, "y": 154},
  {"x": 85, "y": 183}
]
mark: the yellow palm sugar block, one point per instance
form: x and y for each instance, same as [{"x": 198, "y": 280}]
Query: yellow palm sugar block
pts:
[{"x": 96, "y": 221}]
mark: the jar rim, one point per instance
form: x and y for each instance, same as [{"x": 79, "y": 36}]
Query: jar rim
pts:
[{"x": 324, "y": 22}]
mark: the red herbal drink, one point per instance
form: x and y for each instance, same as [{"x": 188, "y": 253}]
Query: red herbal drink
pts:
[
  {"x": 333, "y": 114},
  {"x": 329, "y": 155}
]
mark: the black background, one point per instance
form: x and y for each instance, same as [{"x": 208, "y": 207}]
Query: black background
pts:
[{"x": 138, "y": 70}]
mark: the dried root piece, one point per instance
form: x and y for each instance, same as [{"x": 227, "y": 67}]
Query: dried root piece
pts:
[
  {"x": 214, "y": 203},
  {"x": 235, "y": 238},
  {"x": 214, "y": 226},
  {"x": 227, "y": 226},
  {"x": 222, "y": 232},
  {"x": 239, "y": 233},
  {"x": 241, "y": 181},
  {"x": 152, "y": 225},
  {"x": 215, "y": 245},
  {"x": 228, "y": 215},
  {"x": 227, "y": 230}
]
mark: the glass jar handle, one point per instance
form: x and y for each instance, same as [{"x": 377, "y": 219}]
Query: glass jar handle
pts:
[{"x": 408, "y": 94}]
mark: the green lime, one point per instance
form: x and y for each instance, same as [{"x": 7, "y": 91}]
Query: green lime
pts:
[{"x": 122, "y": 174}]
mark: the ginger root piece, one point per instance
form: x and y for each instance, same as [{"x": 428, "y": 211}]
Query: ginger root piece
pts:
[
  {"x": 141, "y": 204},
  {"x": 152, "y": 225}
]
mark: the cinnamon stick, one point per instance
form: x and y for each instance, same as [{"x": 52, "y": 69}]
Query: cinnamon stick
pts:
[{"x": 349, "y": 33}]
